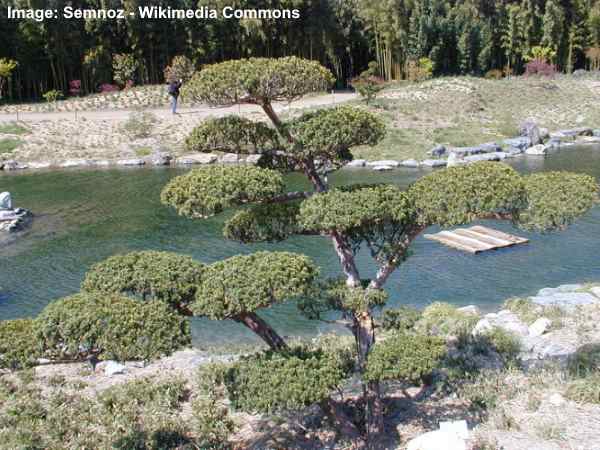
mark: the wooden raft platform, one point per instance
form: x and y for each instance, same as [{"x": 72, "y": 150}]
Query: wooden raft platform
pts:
[{"x": 476, "y": 239}]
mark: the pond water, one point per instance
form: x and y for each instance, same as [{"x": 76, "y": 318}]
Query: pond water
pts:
[{"x": 84, "y": 216}]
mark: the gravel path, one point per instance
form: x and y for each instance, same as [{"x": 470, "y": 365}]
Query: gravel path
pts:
[{"x": 197, "y": 112}]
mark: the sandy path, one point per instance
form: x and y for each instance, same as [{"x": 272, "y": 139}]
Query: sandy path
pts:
[{"x": 198, "y": 112}]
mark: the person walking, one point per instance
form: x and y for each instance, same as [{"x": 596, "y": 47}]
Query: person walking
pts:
[{"x": 174, "y": 87}]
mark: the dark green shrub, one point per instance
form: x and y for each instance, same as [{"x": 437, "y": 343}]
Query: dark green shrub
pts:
[
  {"x": 19, "y": 347},
  {"x": 402, "y": 318},
  {"x": 119, "y": 327},
  {"x": 585, "y": 361},
  {"x": 506, "y": 344},
  {"x": 232, "y": 134},
  {"x": 445, "y": 320},
  {"x": 295, "y": 379},
  {"x": 165, "y": 276},
  {"x": 405, "y": 357}
]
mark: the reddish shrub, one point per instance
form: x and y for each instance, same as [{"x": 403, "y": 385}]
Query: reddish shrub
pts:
[
  {"x": 540, "y": 67},
  {"x": 105, "y": 88},
  {"x": 75, "y": 87}
]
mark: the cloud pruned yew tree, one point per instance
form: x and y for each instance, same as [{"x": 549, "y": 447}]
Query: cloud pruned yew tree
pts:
[{"x": 382, "y": 218}]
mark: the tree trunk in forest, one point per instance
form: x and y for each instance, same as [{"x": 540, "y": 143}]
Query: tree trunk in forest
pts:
[{"x": 262, "y": 329}]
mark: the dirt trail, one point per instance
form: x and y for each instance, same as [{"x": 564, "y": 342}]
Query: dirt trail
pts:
[{"x": 197, "y": 111}]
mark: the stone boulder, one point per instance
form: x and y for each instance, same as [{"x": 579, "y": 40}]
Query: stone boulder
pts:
[
  {"x": 357, "y": 163},
  {"x": 11, "y": 164},
  {"x": 131, "y": 162},
  {"x": 455, "y": 160},
  {"x": 537, "y": 150},
  {"x": 530, "y": 129},
  {"x": 5, "y": 201},
  {"x": 450, "y": 436},
  {"x": 580, "y": 131},
  {"x": 437, "y": 151},
  {"x": 161, "y": 158},
  {"x": 384, "y": 162},
  {"x": 434, "y": 163},
  {"x": 411, "y": 163},
  {"x": 253, "y": 159},
  {"x": 565, "y": 300},
  {"x": 521, "y": 142},
  {"x": 382, "y": 168},
  {"x": 540, "y": 326},
  {"x": 197, "y": 158},
  {"x": 229, "y": 158}
]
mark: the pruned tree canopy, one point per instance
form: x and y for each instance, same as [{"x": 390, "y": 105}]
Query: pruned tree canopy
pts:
[
  {"x": 542, "y": 201},
  {"x": 209, "y": 190},
  {"x": 117, "y": 327},
  {"x": 232, "y": 134},
  {"x": 165, "y": 276},
  {"x": 354, "y": 207},
  {"x": 403, "y": 356},
  {"x": 557, "y": 199},
  {"x": 258, "y": 80},
  {"x": 294, "y": 379},
  {"x": 263, "y": 223},
  {"x": 244, "y": 283},
  {"x": 331, "y": 132}
]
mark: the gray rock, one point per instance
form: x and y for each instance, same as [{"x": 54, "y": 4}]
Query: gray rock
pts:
[
  {"x": 530, "y": 129},
  {"x": 470, "y": 309},
  {"x": 438, "y": 440},
  {"x": 540, "y": 326},
  {"x": 537, "y": 150},
  {"x": 131, "y": 162},
  {"x": 412, "y": 163},
  {"x": 553, "y": 144},
  {"x": 161, "y": 159},
  {"x": 588, "y": 140},
  {"x": 40, "y": 165},
  {"x": 75, "y": 163},
  {"x": 229, "y": 158},
  {"x": 113, "y": 368},
  {"x": 482, "y": 327},
  {"x": 385, "y": 162},
  {"x": 102, "y": 163},
  {"x": 521, "y": 142},
  {"x": 434, "y": 163},
  {"x": 438, "y": 150},
  {"x": 487, "y": 147},
  {"x": 596, "y": 291},
  {"x": 253, "y": 159},
  {"x": 540, "y": 350},
  {"x": 596, "y": 132},
  {"x": 382, "y": 168},
  {"x": 197, "y": 158},
  {"x": 514, "y": 151},
  {"x": 6, "y": 201},
  {"x": 504, "y": 319},
  {"x": 357, "y": 163},
  {"x": 580, "y": 131},
  {"x": 11, "y": 164},
  {"x": 566, "y": 300},
  {"x": 544, "y": 133},
  {"x": 484, "y": 157},
  {"x": 454, "y": 160},
  {"x": 560, "y": 289}
]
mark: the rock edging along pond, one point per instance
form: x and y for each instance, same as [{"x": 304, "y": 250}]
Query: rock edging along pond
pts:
[
  {"x": 533, "y": 141},
  {"x": 12, "y": 219}
]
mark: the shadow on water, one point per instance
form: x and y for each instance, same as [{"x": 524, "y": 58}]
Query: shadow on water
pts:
[{"x": 84, "y": 216}]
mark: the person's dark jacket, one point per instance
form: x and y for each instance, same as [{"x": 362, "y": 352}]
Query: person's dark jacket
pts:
[{"x": 174, "y": 88}]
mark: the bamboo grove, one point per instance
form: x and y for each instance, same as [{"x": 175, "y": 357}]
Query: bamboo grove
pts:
[{"x": 458, "y": 37}]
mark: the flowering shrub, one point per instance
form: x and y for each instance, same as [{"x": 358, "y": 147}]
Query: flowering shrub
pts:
[
  {"x": 540, "y": 67},
  {"x": 75, "y": 87},
  {"x": 106, "y": 88}
]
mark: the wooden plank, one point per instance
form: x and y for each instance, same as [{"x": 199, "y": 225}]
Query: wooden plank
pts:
[
  {"x": 499, "y": 234},
  {"x": 451, "y": 241},
  {"x": 496, "y": 242},
  {"x": 467, "y": 241},
  {"x": 476, "y": 239}
]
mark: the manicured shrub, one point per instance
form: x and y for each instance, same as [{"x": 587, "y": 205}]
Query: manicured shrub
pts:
[
  {"x": 209, "y": 190},
  {"x": 19, "y": 347},
  {"x": 124, "y": 67},
  {"x": 406, "y": 357},
  {"x": 117, "y": 327},
  {"x": 402, "y": 318},
  {"x": 540, "y": 67},
  {"x": 271, "y": 381},
  {"x": 244, "y": 283},
  {"x": 52, "y": 96},
  {"x": 169, "y": 277},
  {"x": 232, "y": 134}
]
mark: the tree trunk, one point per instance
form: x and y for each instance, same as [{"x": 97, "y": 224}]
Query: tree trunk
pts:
[
  {"x": 364, "y": 332},
  {"x": 342, "y": 423},
  {"x": 263, "y": 329}
]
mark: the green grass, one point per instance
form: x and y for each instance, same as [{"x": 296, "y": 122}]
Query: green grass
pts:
[
  {"x": 7, "y": 145},
  {"x": 143, "y": 151},
  {"x": 13, "y": 128}
]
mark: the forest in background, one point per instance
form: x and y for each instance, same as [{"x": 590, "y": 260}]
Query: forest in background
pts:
[{"x": 458, "y": 37}]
